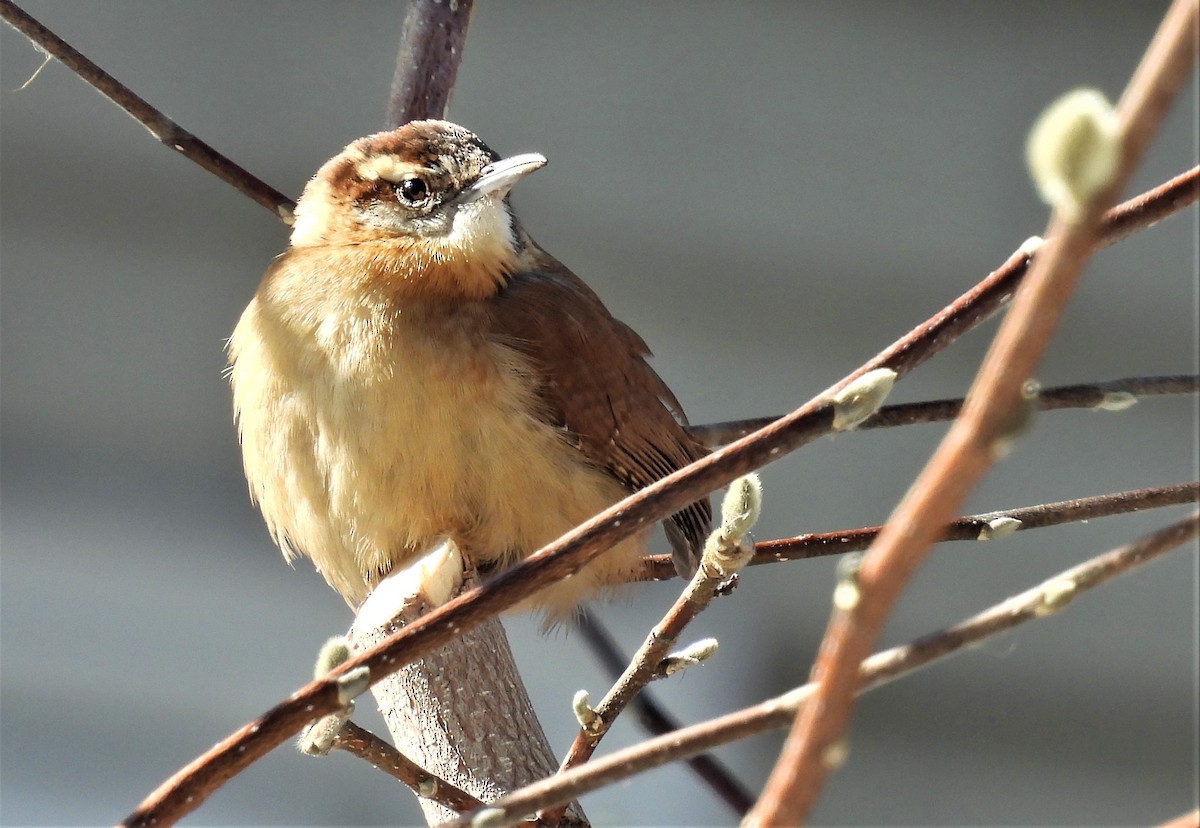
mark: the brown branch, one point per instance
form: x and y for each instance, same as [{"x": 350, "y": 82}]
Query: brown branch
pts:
[
  {"x": 187, "y": 789},
  {"x": 969, "y": 528},
  {"x": 1112, "y": 395},
  {"x": 460, "y": 712},
  {"x": 1039, "y": 602},
  {"x": 367, "y": 746},
  {"x": 159, "y": 125},
  {"x": 723, "y": 556},
  {"x": 431, "y": 47},
  {"x": 658, "y": 721},
  {"x": 972, "y": 443}
]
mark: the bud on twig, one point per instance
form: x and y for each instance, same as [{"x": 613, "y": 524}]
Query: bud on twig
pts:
[{"x": 1073, "y": 151}]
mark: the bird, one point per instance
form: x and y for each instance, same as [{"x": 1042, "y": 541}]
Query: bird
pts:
[{"x": 415, "y": 369}]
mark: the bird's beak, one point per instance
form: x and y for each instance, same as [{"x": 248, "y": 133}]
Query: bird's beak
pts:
[{"x": 498, "y": 178}]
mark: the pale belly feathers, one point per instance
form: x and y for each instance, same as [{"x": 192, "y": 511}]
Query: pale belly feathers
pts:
[{"x": 364, "y": 471}]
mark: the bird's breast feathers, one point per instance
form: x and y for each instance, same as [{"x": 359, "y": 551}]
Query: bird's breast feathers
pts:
[{"x": 371, "y": 431}]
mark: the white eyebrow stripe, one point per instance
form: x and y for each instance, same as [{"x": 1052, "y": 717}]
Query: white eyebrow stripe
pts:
[{"x": 388, "y": 167}]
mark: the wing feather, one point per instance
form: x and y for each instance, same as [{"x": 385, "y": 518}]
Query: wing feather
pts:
[{"x": 595, "y": 384}]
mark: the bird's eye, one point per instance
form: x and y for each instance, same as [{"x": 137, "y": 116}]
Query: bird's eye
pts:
[{"x": 413, "y": 190}]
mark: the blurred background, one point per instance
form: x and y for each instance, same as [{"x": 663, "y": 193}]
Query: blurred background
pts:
[{"x": 770, "y": 194}]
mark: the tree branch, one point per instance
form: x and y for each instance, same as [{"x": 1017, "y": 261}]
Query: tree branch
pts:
[
  {"x": 657, "y": 720},
  {"x": 431, "y": 48},
  {"x": 367, "y": 746},
  {"x": 1040, "y": 601},
  {"x": 1113, "y": 395},
  {"x": 159, "y": 125},
  {"x": 461, "y": 712},
  {"x": 969, "y": 528},
  {"x": 726, "y": 551},
  {"x": 973, "y": 442}
]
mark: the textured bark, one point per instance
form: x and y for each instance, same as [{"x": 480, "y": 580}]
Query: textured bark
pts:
[{"x": 461, "y": 712}]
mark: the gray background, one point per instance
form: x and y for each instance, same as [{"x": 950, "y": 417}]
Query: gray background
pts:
[{"x": 769, "y": 193}]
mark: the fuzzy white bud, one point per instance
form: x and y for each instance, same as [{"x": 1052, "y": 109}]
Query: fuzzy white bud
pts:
[
  {"x": 862, "y": 398},
  {"x": 1074, "y": 150},
  {"x": 999, "y": 527}
]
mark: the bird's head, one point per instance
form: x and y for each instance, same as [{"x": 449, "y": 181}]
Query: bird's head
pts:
[{"x": 430, "y": 195}]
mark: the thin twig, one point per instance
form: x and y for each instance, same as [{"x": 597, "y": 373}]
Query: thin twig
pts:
[
  {"x": 1042, "y": 600},
  {"x": 970, "y": 447},
  {"x": 1111, "y": 395},
  {"x": 431, "y": 48},
  {"x": 725, "y": 553},
  {"x": 367, "y": 746},
  {"x": 658, "y": 721},
  {"x": 644, "y": 666},
  {"x": 970, "y": 528},
  {"x": 159, "y": 125},
  {"x": 190, "y": 786}
]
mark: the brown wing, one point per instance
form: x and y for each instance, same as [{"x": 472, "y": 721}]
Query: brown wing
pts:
[{"x": 594, "y": 383}]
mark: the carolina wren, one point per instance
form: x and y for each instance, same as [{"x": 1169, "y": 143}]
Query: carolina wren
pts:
[{"x": 414, "y": 368}]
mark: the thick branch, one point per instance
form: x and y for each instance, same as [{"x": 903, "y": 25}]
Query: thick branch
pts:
[
  {"x": 461, "y": 712},
  {"x": 431, "y": 48},
  {"x": 1042, "y": 600}
]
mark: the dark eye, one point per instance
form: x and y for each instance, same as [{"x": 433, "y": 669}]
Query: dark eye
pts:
[{"x": 413, "y": 190}]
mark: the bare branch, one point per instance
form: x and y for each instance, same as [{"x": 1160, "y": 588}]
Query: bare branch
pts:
[
  {"x": 658, "y": 720},
  {"x": 159, "y": 125},
  {"x": 970, "y": 528},
  {"x": 974, "y": 442},
  {"x": 1038, "y": 602},
  {"x": 644, "y": 666},
  {"x": 431, "y": 47},
  {"x": 367, "y": 746},
  {"x": 1114, "y": 395},
  {"x": 725, "y": 553}
]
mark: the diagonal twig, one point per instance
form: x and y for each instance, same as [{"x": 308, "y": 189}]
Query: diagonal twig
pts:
[
  {"x": 367, "y": 746},
  {"x": 658, "y": 721},
  {"x": 969, "y": 528},
  {"x": 1048, "y": 597},
  {"x": 164, "y": 130},
  {"x": 1111, "y": 395},
  {"x": 971, "y": 445}
]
